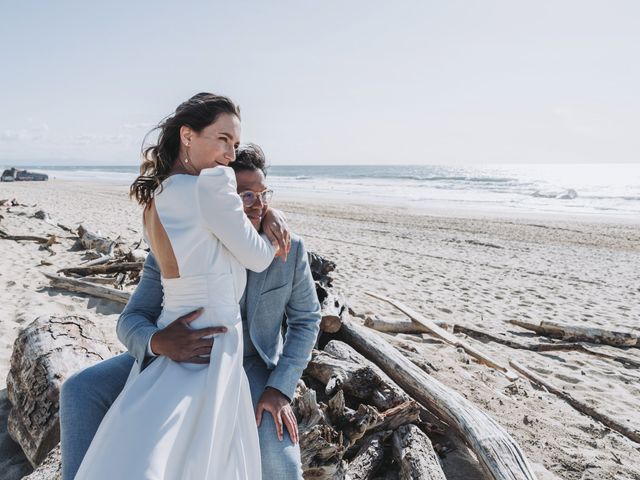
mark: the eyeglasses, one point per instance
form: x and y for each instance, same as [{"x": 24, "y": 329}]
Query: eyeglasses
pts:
[{"x": 249, "y": 197}]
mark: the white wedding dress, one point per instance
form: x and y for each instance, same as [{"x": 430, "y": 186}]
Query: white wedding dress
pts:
[{"x": 179, "y": 421}]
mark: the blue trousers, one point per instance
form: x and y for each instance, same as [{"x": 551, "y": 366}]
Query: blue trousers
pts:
[{"x": 87, "y": 395}]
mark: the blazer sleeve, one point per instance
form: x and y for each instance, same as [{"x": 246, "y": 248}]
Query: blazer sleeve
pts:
[
  {"x": 137, "y": 322},
  {"x": 303, "y": 324},
  {"x": 223, "y": 215}
]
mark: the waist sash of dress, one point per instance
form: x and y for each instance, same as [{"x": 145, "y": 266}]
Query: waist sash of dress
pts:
[{"x": 216, "y": 293}]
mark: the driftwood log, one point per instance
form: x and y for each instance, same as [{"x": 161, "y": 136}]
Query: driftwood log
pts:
[
  {"x": 401, "y": 326},
  {"x": 327, "y": 431},
  {"x": 332, "y": 303},
  {"x": 100, "y": 280},
  {"x": 398, "y": 325},
  {"x": 340, "y": 367},
  {"x": 321, "y": 447},
  {"x": 551, "y": 346},
  {"x": 103, "y": 269},
  {"x": 30, "y": 238},
  {"x": 45, "y": 353},
  {"x": 321, "y": 268},
  {"x": 581, "y": 333},
  {"x": 49, "y": 469},
  {"x": 499, "y": 454},
  {"x": 393, "y": 325},
  {"x": 369, "y": 457},
  {"x": 81, "y": 286},
  {"x": 393, "y": 418},
  {"x": 94, "y": 241},
  {"x": 332, "y": 308},
  {"x": 448, "y": 337},
  {"x": 414, "y": 453},
  {"x": 137, "y": 255}
]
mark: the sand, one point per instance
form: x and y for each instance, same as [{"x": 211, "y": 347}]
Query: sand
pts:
[{"x": 468, "y": 269}]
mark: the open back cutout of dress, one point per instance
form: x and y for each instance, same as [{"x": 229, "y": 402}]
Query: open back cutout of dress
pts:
[{"x": 159, "y": 242}]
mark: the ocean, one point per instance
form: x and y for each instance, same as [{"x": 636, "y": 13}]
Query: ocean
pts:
[{"x": 599, "y": 190}]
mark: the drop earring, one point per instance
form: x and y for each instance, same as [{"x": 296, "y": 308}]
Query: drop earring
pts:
[
  {"x": 186, "y": 157},
  {"x": 186, "y": 160}
]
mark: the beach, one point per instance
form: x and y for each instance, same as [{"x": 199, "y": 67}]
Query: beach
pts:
[{"x": 475, "y": 268}]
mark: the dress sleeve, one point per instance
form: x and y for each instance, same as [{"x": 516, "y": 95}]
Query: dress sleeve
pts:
[{"x": 222, "y": 213}]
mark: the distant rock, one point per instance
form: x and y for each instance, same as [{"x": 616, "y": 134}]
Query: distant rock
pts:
[{"x": 15, "y": 175}]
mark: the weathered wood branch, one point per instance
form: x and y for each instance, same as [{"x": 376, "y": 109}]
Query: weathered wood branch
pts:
[
  {"x": 559, "y": 346},
  {"x": 30, "y": 238},
  {"x": 88, "y": 288},
  {"x": 581, "y": 333},
  {"x": 447, "y": 337},
  {"x": 352, "y": 423},
  {"x": 103, "y": 269},
  {"x": 100, "y": 260},
  {"x": 582, "y": 407},
  {"x": 400, "y": 326},
  {"x": 44, "y": 355},
  {"x": 49, "y": 469},
  {"x": 500, "y": 455},
  {"x": 414, "y": 453},
  {"x": 100, "y": 280},
  {"x": 391, "y": 419},
  {"x": 368, "y": 458},
  {"x": 321, "y": 268},
  {"x": 332, "y": 307},
  {"x": 321, "y": 446},
  {"x": 341, "y": 367},
  {"x": 393, "y": 325},
  {"x": 95, "y": 241},
  {"x": 137, "y": 255}
]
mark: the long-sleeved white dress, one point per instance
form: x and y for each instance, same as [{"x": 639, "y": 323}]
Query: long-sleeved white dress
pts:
[{"x": 179, "y": 421}]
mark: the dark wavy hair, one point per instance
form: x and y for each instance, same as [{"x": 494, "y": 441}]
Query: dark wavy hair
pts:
[
  {"x": 249, "y": 157},
  {"x": 198, "y": 112}
]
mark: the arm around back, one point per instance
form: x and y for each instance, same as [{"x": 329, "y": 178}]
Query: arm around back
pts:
[
  {"x": 137, "y": 322},
  {"x": 221, "y": 211}
]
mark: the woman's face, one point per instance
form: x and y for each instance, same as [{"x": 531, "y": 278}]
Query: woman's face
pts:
[{"x": 214, "y": 146}]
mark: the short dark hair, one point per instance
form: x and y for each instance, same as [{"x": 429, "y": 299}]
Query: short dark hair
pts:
[{"x": 250, "y": 157}]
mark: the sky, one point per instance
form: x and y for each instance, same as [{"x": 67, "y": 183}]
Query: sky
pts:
[{"x": 331, "y": 82}]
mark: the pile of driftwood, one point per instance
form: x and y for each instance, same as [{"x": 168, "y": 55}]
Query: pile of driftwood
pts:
[
  {"x": 109, "y": 266},
  {"x": 366, "y": 405},
  {"x": 365, "y": 409}
]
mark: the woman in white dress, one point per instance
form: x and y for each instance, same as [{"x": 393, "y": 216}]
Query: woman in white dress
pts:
[{"x": 179, "y": 421}]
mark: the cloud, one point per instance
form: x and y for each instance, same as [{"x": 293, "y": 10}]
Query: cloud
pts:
[
  {"x": 32, "y": 134},
  {"x": 96, "y": 139},
  {"x": 138, "y": 126}
]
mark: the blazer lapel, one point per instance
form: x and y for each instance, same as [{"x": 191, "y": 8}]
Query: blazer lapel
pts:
[{"x": 255, "y": 284}]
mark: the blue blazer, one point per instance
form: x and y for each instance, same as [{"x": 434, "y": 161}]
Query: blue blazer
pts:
[{"x": 283, "y": 290}]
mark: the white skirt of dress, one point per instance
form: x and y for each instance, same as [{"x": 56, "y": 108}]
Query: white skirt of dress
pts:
[{"x": 179, "y": 421}]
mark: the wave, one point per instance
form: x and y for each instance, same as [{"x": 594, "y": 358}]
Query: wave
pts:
[
  {"x": 459, "y": 179},
  {"x": 420, "y": 178},
  {"x": 612, "y": 197},
  {"x": 436, "y": 178},
  {"x": 568, "y": 194}
]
